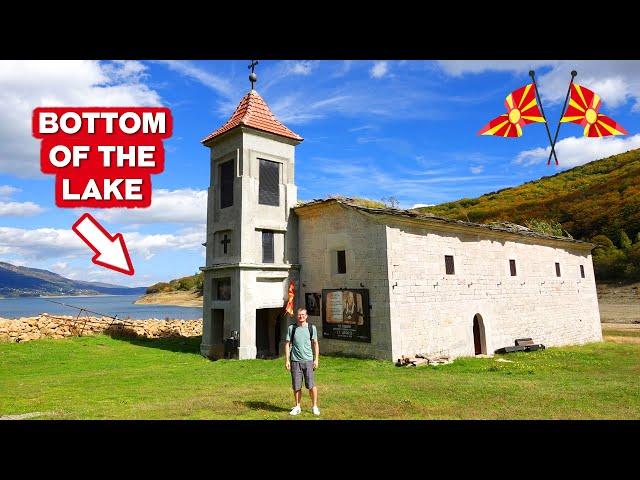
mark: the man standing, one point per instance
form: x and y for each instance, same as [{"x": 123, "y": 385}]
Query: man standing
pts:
[{"x": 299, "y": 359}]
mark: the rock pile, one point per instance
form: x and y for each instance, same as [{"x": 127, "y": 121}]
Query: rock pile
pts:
[
  {"x": 421, "y": 360},
  {"x": 46, "y": 326}
]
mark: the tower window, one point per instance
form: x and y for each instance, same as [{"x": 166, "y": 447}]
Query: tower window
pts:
[
  {"x": 269, "y": 191},
  {"x": 582, "y": 271},
  {"x": 557, "y": 269},
  {"x": 226, "y": 184},
  {"x": 449, "y": 266},
  {"x": 267, "y": 247},
  {"x": 222, "y": 288},
  {"x": 512, "y": 267},
  {"x": 342, "y": 261}
]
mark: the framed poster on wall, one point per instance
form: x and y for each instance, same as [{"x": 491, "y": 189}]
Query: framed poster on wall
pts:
[{"x": 345, "y": 315}]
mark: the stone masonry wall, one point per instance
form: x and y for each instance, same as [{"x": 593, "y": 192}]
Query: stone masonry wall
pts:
[
  {"x": 432, "y": 312},
  {"x": 32, "y": 328},
  {"x": 321, "y": 234}
]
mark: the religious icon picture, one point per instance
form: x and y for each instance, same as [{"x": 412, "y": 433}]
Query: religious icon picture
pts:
[
  {"x": 345, "y": 315},
  {"x": 312, "y": 304}
]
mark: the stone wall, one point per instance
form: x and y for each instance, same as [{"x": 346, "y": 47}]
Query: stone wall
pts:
[
  {"x": 45, "y": 326},
  {"x": 433, "y": 312},
  {"x": 321, "y": 232}
]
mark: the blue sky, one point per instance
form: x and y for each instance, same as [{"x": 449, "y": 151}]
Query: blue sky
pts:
[{"x": 372, "y": 128}]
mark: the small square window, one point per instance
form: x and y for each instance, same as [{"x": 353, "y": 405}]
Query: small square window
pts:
[
  {"x": 582, "y": 271},
  {"x": 449, "y": 266},
  {"x": 222, "y": 288},
  {"x": 557, "y": 269},
  {"x": 342, "y": 261},
  {"x": 512, "y": 267}
]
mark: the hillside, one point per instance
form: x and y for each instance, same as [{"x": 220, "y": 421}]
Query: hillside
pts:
[
  {"x": 600, "y": 197},
  {"x": 183, "y": 292},
  {"x": 18, "y": 281}
]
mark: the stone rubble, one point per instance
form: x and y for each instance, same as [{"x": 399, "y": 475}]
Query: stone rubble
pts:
[
  {"x": 421, "y": 360},
  {"x": 25, "y": 329}
]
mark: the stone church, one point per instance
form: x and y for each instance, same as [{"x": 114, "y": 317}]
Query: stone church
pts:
[{"x": 377, "y": 282}]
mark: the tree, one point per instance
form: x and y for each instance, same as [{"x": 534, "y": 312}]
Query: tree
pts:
[
  {"x": 625, "y": 241},
  {"x": 547, "y": 227},
  {"x": 390, "y": 202},
  {"x": 602, "y": 241},
  {"x": 609, "y": 263}
]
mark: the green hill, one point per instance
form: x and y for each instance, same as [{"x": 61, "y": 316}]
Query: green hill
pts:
[
  {"x": 600, "y": 197},
  {"x": 192, "y": 282},
  {"x": 598, "y": 201}
]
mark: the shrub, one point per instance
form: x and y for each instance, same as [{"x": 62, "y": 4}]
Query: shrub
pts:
[
  {"x": 609, "y": 263},
  {"x": 159, "y": 287}
]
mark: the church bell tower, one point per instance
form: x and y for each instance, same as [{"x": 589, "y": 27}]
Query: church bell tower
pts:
[{"x": 251, "y": 247}]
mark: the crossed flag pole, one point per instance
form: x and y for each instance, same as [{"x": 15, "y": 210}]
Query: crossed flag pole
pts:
[{"x": 583, "y": 108}]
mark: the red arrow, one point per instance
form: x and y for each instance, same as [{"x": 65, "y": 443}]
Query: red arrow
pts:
[{"x": 110, "y": 250}]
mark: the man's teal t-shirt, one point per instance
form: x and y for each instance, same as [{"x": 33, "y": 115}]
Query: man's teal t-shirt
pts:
[{"x": 301, "y": 347}]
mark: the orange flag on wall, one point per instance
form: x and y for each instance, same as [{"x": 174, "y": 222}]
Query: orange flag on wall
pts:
[{"x": 292, "y": 294}]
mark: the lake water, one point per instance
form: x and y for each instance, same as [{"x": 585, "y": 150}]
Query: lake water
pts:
[{"x": 110, "y": 305}]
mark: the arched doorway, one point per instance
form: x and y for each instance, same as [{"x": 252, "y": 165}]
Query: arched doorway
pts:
[{"x": 479, "y": 339}]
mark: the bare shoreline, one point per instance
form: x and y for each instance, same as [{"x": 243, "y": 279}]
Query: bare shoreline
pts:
[{"x": 189, "y": 298}]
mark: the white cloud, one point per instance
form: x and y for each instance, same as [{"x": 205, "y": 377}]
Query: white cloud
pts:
[
  {"x": 19, "y": 209},
  {"x": 25, "y": 85},
  {"x": 51, "y": 243},
  {"x": 7, "y": 191},
  {"x": 150, "y": 245},
  {"x": 16, "y": 209},
  {"x": 420, "y": 205},
  {"x": 221, "y": 85},
  {"x": 616, "y": 81},
  {"x": 458, "y": 68},
  {"x": 477, "y": 170},
  {"x": 379, "y": 69},
  {"x": 302, "y": 67},
  {"x": 172, "y": 206},
  {"x": 575, "y": 151}
]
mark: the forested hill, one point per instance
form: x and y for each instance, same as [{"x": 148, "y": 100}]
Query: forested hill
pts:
[{"x": 600, "y": 197}]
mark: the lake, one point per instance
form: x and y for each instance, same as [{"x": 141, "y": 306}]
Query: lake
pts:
[{"x": 110, "y": 305}]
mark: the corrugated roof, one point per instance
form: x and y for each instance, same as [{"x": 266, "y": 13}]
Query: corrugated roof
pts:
[
  {"x": 496, "y": 227},
  {"x": 253, "y": 111}
]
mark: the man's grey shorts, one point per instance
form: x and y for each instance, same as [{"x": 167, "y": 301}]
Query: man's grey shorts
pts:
[{"x": 299, "y": 370}]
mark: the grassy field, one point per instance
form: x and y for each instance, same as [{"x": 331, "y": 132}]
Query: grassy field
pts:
[{"x": 105, "y": 378}]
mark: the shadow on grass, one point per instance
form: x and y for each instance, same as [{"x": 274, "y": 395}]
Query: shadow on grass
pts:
[
  {"x": 177, "y": 344},
  {"x": 254, "y": 405}
]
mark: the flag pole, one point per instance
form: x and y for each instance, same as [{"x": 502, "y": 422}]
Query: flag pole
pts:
[
  {"x": 573, "y": 74},
  {"x": 546, "y": 124}
]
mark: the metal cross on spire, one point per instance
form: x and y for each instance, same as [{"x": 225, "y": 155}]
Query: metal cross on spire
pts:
[{"x": 253, "y": 78}]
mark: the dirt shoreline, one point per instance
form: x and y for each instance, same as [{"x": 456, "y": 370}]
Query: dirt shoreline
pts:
[{"x": 189, "y": 298}]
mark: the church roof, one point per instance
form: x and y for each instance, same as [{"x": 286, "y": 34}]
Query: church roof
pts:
[
  {"x": 253, "y": 111},
  {"x": 505, "y": 227}
]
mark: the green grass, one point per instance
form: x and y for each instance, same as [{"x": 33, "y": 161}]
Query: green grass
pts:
[{"x": 105, "y": 378}]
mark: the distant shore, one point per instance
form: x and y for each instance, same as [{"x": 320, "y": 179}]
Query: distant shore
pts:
[{"x": 189, "y": 298}]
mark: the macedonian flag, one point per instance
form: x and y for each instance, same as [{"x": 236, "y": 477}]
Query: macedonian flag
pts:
[
  {"x": 583, "y": 110},
  {"x": 292, "y": 294},
  {"x": 522, "y": 108}
]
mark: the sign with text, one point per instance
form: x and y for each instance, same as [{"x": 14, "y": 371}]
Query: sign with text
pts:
[
  {"x": 102, "y": 157},
  {"x": 345, "y": 315}
]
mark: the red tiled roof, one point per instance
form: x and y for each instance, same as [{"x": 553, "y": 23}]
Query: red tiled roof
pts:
[{"x": 252, "y": 111}]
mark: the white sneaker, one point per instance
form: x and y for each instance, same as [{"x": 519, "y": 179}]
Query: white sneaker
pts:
[
  {"x": 295, "y": 410},
  {"x": 315, "y": 410}
]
